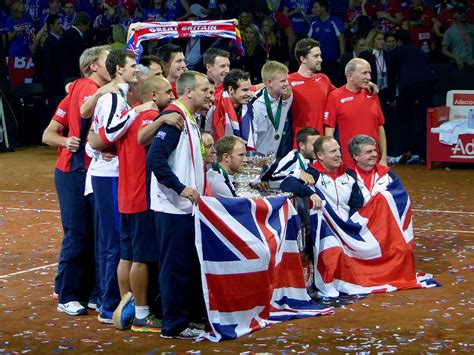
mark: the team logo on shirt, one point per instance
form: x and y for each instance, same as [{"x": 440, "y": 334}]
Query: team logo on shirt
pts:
[
  {"x": 296, "y": 83},
  {"x": 60, "y": 112},
  {"x": 347, "y": 99},
  {"x": 161, "y": 135}
]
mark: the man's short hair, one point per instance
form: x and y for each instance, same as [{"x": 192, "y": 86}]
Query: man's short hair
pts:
[
  {"x": 234, "y": 77},
  {"x": 356, "y": 39},
  {"x": 82, "y": 18},
  {"x": 51, "y": 19},
  {"x": 304, "y": 133},
  {"x": 89, "y": 57},
  {"x": 166, "y": 51},
  {"x": 357, "y": 142},
  {"x": 323, "y": 3},
  {"x": 209, "y": 56},
  {"x": 272, "y": 68},
  {"x": 142, "y": 71},
  {"x": 226, "y": 145},
  {"x": 318, "y": 144},
  {"x": 203, "y": 132},
  {"x": 352, "y": 65},
  {"x": 187, "y": 80},
  {"x": 142, "y": 74},
  {"x": 303, "y": 47},
  {"x": 117, "y": 57},
  {"x": 146, "y": 60}
]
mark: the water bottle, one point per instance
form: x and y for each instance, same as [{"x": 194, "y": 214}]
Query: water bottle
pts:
[{"x": 470, "y": 120}]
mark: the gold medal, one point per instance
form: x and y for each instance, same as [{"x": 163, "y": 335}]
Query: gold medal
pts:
[{"x": 277, "y": 137}]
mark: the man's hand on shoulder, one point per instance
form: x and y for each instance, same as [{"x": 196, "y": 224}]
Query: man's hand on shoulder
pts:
[
  {"x": 174, "y": 120},
  {"x": 308, "y": 179},
  {"x": 108, "y": 88},
  {"x": 150, "y": 105},
  {"x": 373, "y": 89},
  {"x": 287, "y": 93}
]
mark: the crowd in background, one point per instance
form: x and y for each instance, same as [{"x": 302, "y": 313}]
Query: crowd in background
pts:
[{"x": 56, "y": 32}]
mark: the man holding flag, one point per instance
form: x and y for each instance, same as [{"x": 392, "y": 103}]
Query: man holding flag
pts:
[
  {"x": 340, "y": 190},
  {"x": 175, "y": 167},
  {"x": 371, "y": 176},
  {"x": 230, "y": 115}
]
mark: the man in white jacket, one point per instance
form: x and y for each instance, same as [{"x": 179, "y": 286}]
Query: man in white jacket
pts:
[{"x": 175, "y": 167}]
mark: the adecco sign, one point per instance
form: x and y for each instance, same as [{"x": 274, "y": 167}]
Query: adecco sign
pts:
[
  {"x": 459, "y": 102},
  {"x": 463, "y": 150}
]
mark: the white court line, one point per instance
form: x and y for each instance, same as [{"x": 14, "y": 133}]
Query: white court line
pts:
[
  {"x": 29, "y": 270},
  {"x": 45, "y": 210},
  {"x": 54, "y": 192},
  {"x": 28, "y": 209},
  {"x": 443, "y": 230},
  {"x": 28, "y": 192},
  {"x": 439, "y": 211}
]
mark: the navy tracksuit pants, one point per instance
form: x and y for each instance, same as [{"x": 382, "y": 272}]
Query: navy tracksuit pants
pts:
[
  {"x": 107, "y": 226},
  {"x": 76, "y": 275},
  {"x": 180, "y": 276}
]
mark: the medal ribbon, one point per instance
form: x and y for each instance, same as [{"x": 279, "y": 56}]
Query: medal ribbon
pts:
[
  {"x": 275, "y": 120},
  {"x": 300, "y": 161}
]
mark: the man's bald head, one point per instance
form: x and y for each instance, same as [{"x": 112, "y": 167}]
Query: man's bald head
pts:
[
  {"x": 158, "y": 89},
  {"x": 358, "y": 74},
  {"x": 353, "y": 63}
]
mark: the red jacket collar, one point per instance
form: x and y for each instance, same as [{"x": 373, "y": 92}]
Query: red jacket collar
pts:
[
  {"x": 379, "y": 169},
  {"x": 334, "y": 175}
]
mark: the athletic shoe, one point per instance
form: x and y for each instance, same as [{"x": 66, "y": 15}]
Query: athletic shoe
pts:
[
  {"x": 93, "y": 305},
  {"x": 73, "y": 308},
  {"x": 196, "y": 325},
  {"x": 105, "y": 317},
  {"x": 187, "y": 334},
  {"x": 149, "y": 324},
  {"x": 125, "y": 312}
]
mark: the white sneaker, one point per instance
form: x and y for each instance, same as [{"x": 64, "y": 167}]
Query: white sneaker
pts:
[
  {"x": 73, "y": 308},
  {"x": 189, "y": 333}
]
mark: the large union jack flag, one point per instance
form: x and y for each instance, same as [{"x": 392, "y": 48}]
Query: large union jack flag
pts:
[
  {"x": 250, "y": 264},
  {"x": 370, "y": 253}
]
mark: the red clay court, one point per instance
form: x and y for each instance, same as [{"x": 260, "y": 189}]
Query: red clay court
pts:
[{"x": 436, "y": 320}]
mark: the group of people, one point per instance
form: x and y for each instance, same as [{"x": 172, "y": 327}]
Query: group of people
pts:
[
  {"x": 138, "y": 144},
  {"x": 55, "y": 33}
]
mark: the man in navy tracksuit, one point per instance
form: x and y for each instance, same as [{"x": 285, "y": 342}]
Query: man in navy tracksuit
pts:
[
  {"x": 340, "y": 189},
  {"x": 175, "y": 168}
]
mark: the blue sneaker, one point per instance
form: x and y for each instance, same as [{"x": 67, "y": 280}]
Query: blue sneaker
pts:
[
  {"x": 125, "y": 312},
  {"x": 105, "y": 317}
]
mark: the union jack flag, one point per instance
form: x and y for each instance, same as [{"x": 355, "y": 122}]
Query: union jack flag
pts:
[
  {"x": 225, "y": 121},
  {"x": 251, "y": 269},
  {"x": 370, "y": 253},
  {"x": 135, "y": 49}
]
